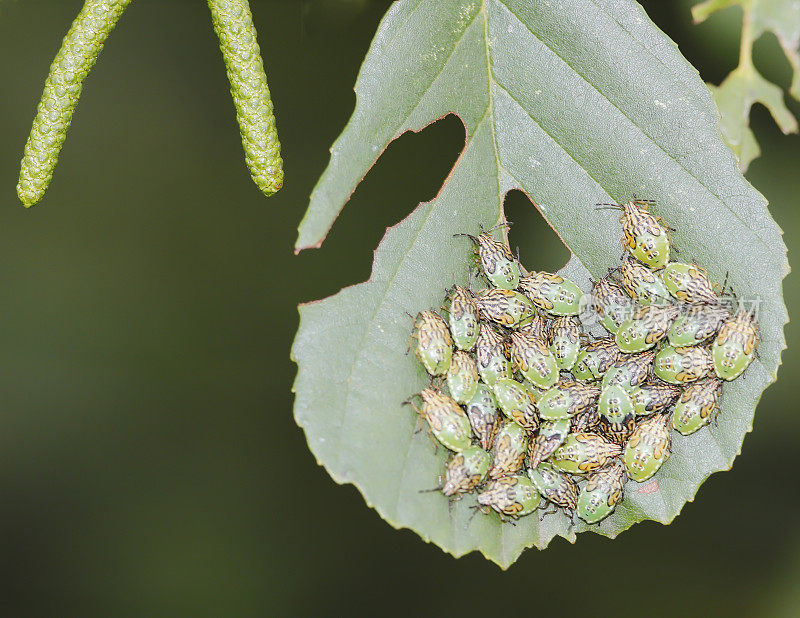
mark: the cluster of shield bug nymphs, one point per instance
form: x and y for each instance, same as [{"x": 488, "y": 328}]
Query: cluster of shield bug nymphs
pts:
[{"x": 538, "y": 412}]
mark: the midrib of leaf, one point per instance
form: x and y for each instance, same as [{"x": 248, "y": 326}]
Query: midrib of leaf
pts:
[{"x": 490, "y": 82}]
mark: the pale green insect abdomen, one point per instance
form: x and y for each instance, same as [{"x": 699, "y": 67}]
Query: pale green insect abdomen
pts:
[
  {"x": 233, "y": 24},
  {"x": 72, "y": 64}
]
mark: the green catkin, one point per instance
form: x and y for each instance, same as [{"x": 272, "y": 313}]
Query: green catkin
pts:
[
  {"x": 233, "y": 24},
  {"x": 62, "y": 90}
]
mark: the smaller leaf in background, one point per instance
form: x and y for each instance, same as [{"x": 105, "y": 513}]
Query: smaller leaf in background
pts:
[{"x": 745, "y": 86}]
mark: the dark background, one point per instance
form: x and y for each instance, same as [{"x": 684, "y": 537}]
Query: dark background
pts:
[{"x": 149, "y": 461}]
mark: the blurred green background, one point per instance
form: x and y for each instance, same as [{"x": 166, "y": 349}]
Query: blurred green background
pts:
[{"x": 149, "y": 461}]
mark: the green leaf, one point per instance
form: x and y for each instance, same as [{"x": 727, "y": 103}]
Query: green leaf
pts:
[
  {"x": 700, "y": 12},
  {"x": 745, "y": 85},
  {"x": 781, "y": 17},
  {"x": 734, "y": 97},
  {"x": 575, "y": 102}
]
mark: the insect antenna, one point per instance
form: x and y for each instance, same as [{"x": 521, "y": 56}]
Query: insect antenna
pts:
[
  {"x": 412, "y": 336},
  {"x": 410, "y": 402},
  {"x": 436, "y": 314},
  {"x": 505, "y": 224},
  {"x": 725, "y": 283},
  {"x": 427, "y": 491}
]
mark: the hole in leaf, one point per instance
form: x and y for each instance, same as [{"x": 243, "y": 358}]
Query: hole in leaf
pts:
[
  {"x": 411, "y": 170},
  {"x": 540, "y": 248},
  {"x": 767, "y": 132},
  {"x": 771, "y": 62}
]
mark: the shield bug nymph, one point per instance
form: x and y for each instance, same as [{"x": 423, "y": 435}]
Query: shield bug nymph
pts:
[
  {"x": 499, "y": 266},
  {"x": 648, "y": 447},
  {"x": 434, "y": 347},
  {"x": 565, "y": 341},
  {"x": 617, "y": 415},
  {"x": 653, "y": 397},
  {"x": 513, "y": 496},
  {"x": 735, "y": 345},
  {"x": 601, "y": 494},
  {"x": 611, "y": 304},
  {"x": 595, "y": 359},
  {"x": 550, "y": 436},
  {"x": 644, "y": 235},
  {"x": 682, "y": 365},
  {"x": 552, "y": 293},
  {"x": 505, "y": 307},
  {"x": 554, "y": 485},
  {"x": 696, "y": 406},
  {"x": 516, "y": 402},
  {"x": 490, "y": 351},
  {"x": 646, "y": 327},
  {"x": 696, "y": 324},
  {"x": 508, "y": 452},
  {"x": 534, "y": 359},
  {"x": 483, "y": 415},
  {"x": 688, "y": 282},
  {"x": 642, "y": 284},
  {"x": 462, "y": 377},
  {"x": 465, "y": 471},
  {"x": 584, "y": 452},
  {"x": 630, "y": 370},
  {"x": 567, "y": 399},
  {"x": 463, "y": 318},
  {"x": 447, "y": 421}
]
